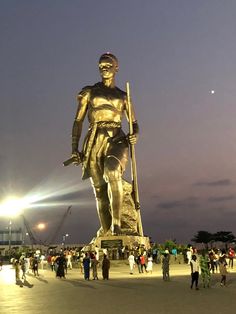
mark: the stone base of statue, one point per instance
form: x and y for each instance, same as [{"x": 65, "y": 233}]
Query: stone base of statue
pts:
[
  {"x": 120, "y": 241},
  {"x": 130, "y": 236}
]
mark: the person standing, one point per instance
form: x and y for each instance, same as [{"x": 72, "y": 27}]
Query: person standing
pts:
[
  {"x": 94, "y": 266},
  {"x": 212, "y": 261},
  {"x": 61, "y": 265},
  {"x": 138, "y": 262},
  {"x": 52, "y": 262},
  {"x": 69, "y": 260},
  {"x": 166, "y": 267},
  {"x": 17, "y": 270},
  {"x": 174, "y": 253},
  {"x": 231, "y": 255},
  {"x": 189, "y": 255},
  {"x": 96, "y": 253},
  {"x": 35, "y": 266},
  {"x": 86, "y": 266},
  {"x": 105, "y": 267},
  {"x": 149, "y": 264},
  {"x": 223, "y": 270},
  {"x": 194, "y": 272},
  {"x": 23, "y": 268},
  {"x": 131, "y": 263},
  {"x": 143, "y": 263}
]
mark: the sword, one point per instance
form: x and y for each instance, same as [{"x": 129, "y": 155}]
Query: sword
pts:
[{"x": 72, "y": 160}]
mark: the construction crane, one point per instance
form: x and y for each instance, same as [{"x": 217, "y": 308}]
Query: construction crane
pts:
[
  {"x": 53, "y": 238},
  {"x": 33, "y": 238},
  {"x": 29, "y": 231}
]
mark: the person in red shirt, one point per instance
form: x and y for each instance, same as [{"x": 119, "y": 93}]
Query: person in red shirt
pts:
[
  {"x": 143, "y": 262},
  {"x": 231, "y": 255}
]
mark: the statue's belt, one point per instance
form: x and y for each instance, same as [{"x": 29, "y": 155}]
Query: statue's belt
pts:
[{"x": 105, "y": 125}]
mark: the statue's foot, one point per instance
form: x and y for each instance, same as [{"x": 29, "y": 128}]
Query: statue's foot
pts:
[
  {"x": 102, "y": 233},
  {"x": 116, "y": 230}
]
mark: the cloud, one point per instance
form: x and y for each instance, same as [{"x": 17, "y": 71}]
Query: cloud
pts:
[
  {"x": 221, "y": 198},
  {"x": 223, "y": 182},
  {"x": 190, "y": 202}
]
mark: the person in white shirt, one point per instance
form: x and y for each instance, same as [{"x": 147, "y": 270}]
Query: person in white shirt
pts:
[
  {"x": 69, "y": 260},
  {"x": 149, "y": 264},
  {"x": 194, "y": 272},
  {"x": 189, "y": 256},
  {"x": 131, "y": 262}
]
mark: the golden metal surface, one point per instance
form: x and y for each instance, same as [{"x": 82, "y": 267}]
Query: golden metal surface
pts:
[{"x": 105, "y": 150}]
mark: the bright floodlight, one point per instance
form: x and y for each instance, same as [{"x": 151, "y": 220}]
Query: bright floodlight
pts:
[
  {"x": 41, "y": 226},
  {"x": 11, "y": 207}
]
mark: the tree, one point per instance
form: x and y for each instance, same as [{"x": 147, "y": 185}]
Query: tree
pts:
[
  {"x": 225, "y": 237},
  {"x": 203, "y": 237},
  {"x": 170, "y": 244}
]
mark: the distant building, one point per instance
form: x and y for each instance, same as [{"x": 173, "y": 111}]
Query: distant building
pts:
[{"x": 13, "y": 237}]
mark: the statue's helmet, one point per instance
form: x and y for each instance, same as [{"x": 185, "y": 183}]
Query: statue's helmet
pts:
[{"x": 109, "y": 56}]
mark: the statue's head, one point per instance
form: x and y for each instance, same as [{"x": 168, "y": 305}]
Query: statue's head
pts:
[{"x": 109, "y": 57}]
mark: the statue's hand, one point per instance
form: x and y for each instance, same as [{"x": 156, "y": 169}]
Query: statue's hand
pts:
[
  {"x": 132, "y": 139},
  {"x": 76, "y": 158}
]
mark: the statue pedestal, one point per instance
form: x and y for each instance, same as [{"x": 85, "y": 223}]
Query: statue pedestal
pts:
[{"x": 114, "y": 242}]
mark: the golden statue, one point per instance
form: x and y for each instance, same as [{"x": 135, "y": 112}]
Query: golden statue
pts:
[{"x": 105, "y": 149}]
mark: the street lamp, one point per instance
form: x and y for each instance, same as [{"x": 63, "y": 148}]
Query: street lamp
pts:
[
  {"x": 9, "y": 238},
  {"x": 64, "y": 238},
  {"x": 11, "y": 207}
]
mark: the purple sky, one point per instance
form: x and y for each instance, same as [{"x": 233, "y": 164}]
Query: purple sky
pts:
[{"x": 173, "y": 53}]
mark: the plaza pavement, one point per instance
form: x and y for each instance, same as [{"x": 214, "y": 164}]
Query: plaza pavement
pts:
[{"x": 122, "y": 294}]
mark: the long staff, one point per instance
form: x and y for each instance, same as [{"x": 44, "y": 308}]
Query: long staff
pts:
[{"x": 133, "y": 163}]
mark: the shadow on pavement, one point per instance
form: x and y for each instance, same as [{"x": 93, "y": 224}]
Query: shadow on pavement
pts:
[
  {"x": 24, "y": 283},
  {"x": 41, "y": 279},
  {"x": 27, "y": 284},
  {"x": 79, "y": 283}
]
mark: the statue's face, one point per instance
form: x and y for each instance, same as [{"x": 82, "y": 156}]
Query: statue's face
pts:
[{"x": 107, "y": 68}]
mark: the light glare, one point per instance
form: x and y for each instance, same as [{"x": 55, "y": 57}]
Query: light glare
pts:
[{"x": 12, "y": 207}]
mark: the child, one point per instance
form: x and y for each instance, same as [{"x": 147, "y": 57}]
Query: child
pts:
[{"x": 223, "y": 270}]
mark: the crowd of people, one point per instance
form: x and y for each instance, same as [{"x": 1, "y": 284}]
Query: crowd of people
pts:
[
  {"x": 203, "y": 264},
  {"x": 209, "y": 263},
  {"x": 59, "y": 263},
  {"x": 206, "y": 263}
]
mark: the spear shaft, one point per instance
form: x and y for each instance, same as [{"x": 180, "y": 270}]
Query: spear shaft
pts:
[{"x": 133, "y": 162}]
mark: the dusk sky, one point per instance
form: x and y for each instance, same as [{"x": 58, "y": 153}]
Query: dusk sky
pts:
[{"x": 179, "y": 57}]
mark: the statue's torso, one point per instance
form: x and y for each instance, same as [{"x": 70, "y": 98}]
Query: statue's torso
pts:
[{"x": 105, "y": 104}]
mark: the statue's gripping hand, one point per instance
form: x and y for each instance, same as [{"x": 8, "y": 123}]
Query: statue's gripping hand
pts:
[
  {"x": 77, "y": 158},
  {"x": 133, "y": 138},
  {"x": 82, "y": 99}
]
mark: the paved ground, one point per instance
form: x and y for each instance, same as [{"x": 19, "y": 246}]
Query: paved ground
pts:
[{"x": 123, "y": 293}]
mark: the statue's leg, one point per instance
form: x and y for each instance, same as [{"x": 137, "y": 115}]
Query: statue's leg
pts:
[
  {"x": 113, "y": 177},
  {"x": 103, "y": 207},
  {"x": 102, "y": 200}
]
